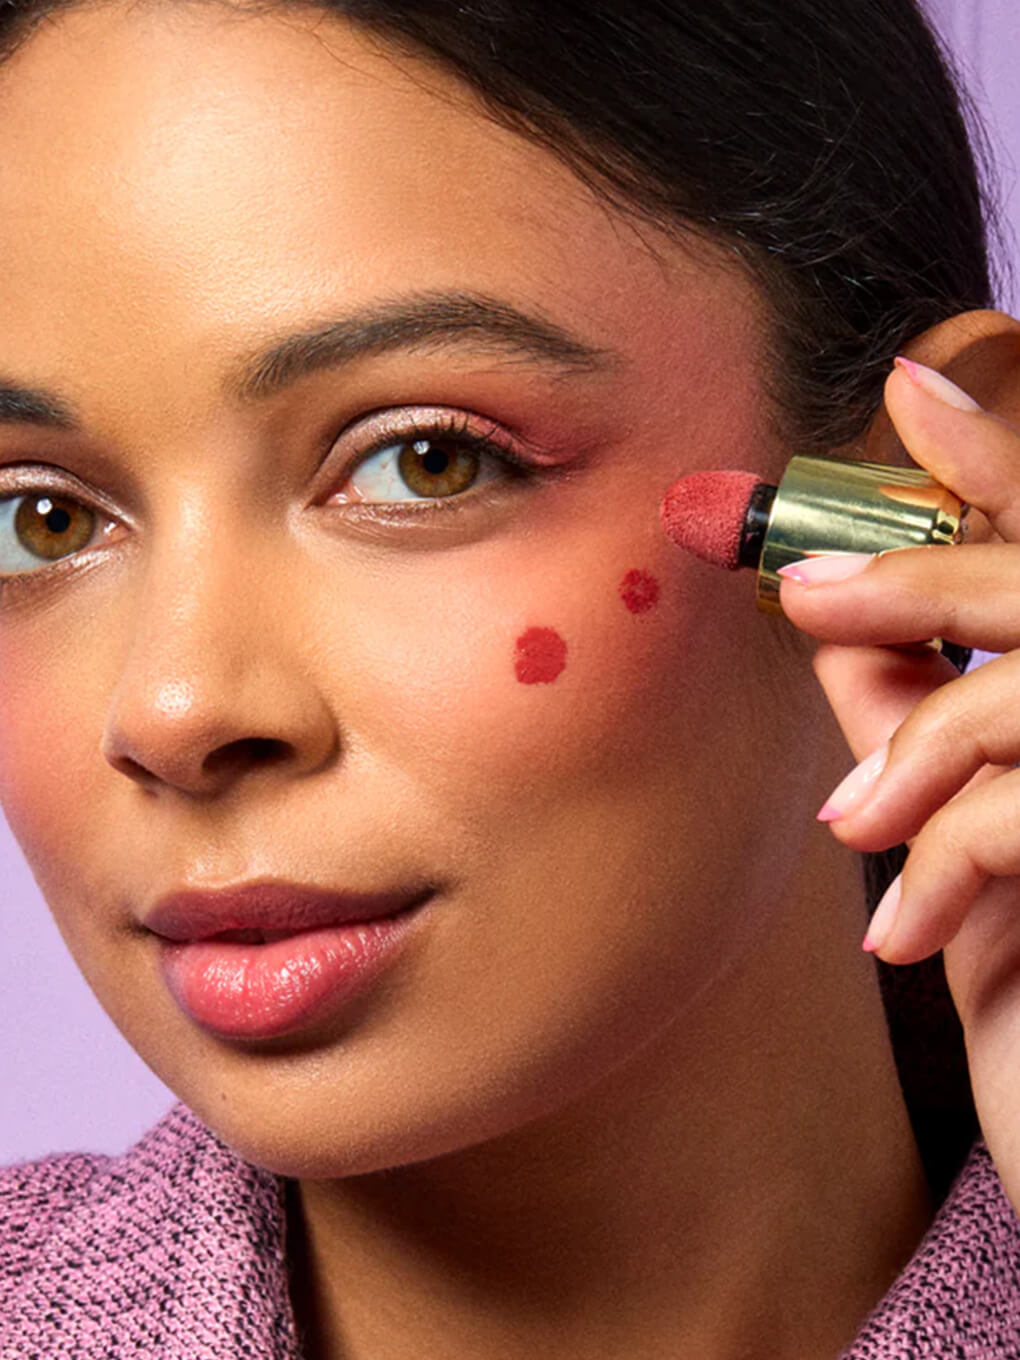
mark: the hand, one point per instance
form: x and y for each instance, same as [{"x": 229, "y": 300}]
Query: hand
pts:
[{"x": 945, "y": 783}]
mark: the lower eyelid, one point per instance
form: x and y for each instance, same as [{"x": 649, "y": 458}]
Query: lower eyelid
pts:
[
  {"x": 426, "y": 512},
  {"x": 421, "y": 504}
]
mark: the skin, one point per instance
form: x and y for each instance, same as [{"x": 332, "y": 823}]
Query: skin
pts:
[
  {"x": 630, "y": 1082},
  {"x": 949, "y": 784}
]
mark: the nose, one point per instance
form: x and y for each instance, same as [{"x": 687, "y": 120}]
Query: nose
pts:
[{"x": 215, "y": 685}]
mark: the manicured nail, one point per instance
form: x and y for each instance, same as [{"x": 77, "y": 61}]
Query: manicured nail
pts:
[
  {"x": 827, "y": 569},
  {"x": 936, "y": 385},
  {"x": 856, "y": 787},
  {"x": 885, "y": 915}
]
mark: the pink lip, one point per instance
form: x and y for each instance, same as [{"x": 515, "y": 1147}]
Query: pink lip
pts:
[
  {"x": 260, "y": 991},
  {"x": 271, "y": 906},
  {"x": 338, "y": 942}
]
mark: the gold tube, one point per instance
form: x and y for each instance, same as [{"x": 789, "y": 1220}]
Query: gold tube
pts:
[{"x": 829, "y": 505}]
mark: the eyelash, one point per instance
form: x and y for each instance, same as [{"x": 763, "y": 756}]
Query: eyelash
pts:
[{"x": 458, "y": 427}]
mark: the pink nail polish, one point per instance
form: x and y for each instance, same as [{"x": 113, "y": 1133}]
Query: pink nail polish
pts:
[
  {"x": 936, "y": 385},
  {"x": 826, "y": 569},
  {"x": 856, "y": 787},
  {"x": 885, "y": 914}
]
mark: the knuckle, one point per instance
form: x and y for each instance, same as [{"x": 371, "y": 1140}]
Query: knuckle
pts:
[
  {"x": 946, "y": 839},
  {"x": 937, "y": 721},
  {"x": 960, "y": 721},
  {"x": 920, "y": 577}
]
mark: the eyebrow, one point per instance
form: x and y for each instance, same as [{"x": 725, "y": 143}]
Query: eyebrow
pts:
[
  {"x": 34, "y": 406},
  {"x": 421, "y": 321},
  {"x": 425, "y": 320}
]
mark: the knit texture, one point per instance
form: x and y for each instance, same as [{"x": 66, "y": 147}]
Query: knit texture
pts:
[
  {"x": 176, "y": 1250},
  {"x": 173, "y": 1250}
]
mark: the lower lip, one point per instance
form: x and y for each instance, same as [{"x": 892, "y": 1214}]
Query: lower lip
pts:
[{"x": 259, "y": 991}]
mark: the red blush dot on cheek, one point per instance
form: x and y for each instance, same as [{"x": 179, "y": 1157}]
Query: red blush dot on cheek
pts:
[
  {"x": 541, "y": 656},
  {"x": 639, "y": 591}
]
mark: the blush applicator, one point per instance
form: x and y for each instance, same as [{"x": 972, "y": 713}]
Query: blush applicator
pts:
[{"x": 822, "y": 506}]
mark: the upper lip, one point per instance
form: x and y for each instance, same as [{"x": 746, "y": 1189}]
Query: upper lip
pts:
[{"x": 271, "y": 906}]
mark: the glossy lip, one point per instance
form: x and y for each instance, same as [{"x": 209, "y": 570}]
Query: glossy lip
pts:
[
  {"x": 249, "y": 991},
  {"x": 271, "y": 905}
]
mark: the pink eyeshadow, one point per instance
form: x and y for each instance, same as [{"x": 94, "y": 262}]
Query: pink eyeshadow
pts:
[
  {"x": 639, "y": 591},
  {"x": 541, "y": 656}
]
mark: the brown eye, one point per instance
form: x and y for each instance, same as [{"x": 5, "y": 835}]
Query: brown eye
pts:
[
  {"x": 434, "y": 467},
  {"x": 52, "y": 526}
]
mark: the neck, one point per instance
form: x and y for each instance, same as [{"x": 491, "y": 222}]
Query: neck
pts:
[{"x": 750, "y": 1174}]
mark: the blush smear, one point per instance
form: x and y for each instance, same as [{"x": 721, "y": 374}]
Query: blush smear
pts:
[
  {"x": 639, "y": 591},
  {"x": 541, "y": 656}
]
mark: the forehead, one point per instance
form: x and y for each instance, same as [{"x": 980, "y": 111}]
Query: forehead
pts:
[
  {"x": 192, "y": 172},
  {"x": 196, "y": 134},
  {"x": 177, "y": 137}
]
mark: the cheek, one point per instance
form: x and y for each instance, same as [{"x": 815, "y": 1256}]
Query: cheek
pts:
[
  {"x": 537, "y": 680},
  {"x": 540, "y": 654},
  {"x": 50, "y": 723},
  {"x": 33, "y": 737},
  {"x": 639, "y": 590}
]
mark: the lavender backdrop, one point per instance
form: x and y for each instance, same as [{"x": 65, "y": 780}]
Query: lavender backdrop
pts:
[{"x": 69, "y": 1079}]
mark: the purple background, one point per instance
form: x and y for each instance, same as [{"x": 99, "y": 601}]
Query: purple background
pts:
[{"x": 69, "y": 1079}]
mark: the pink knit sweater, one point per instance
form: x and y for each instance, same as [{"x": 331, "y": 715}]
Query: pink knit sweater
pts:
[{"x": 176, "y": 1250}]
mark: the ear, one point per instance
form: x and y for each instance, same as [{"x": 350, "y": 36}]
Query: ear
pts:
[{"x": 980, "y": 352}]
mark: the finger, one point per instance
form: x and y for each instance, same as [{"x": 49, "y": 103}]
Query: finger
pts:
[
  {"x": 968, "y": 842},
  {"x": 959, "y": 730},
  {"x": 969, "y": 595},
  {"x": 872, "y": 689},
  {"x": 983, "y": 959},
  {"x": 982, "y": 966},
  {"x": 978, "y": 529},
  {"x": 973, "y": 452}
]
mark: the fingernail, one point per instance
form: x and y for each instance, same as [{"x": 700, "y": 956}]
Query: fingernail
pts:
[
  {"x": 827, "y": 569},
  {"x": 936, "y": 384},
  {"x": 851, "y": 793},
  {"x": 885, "y": 914}
]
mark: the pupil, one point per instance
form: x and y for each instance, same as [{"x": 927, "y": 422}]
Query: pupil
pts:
[
  {"x": 57, "y": 521},
  {"x": 436, "y": 462}
]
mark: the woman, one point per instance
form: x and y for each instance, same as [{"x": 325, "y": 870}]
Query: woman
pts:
[{"x": 347, "y": 355}]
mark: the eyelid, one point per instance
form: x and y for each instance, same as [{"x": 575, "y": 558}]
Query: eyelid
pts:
[
  {"x": 404, "y": 424},
  {"x": 20, "y": 479},
  {"x": 386, "y": 427}
]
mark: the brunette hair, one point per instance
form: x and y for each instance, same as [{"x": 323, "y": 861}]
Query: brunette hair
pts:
[{"x": 825, "y": 145}]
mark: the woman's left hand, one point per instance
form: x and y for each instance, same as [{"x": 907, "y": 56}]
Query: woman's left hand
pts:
[{"x": 946, "y": 782}]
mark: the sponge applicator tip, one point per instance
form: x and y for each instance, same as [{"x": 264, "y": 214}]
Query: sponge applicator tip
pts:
[{"x": 705, "y": 513}]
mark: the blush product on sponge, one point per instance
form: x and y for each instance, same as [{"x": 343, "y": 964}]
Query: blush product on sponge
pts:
[
  {"x": 822, "y": 506},
  {"x": 715, "y": 515}
]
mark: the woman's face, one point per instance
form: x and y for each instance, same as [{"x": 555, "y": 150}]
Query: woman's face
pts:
[{"x": 272, "y": 656}]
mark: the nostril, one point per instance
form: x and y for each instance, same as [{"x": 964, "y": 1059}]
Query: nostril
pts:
[
  {"x": 131, "y": 767},
  {"x": 245, "y": 752},
  {"x": 264, "y": 748}
]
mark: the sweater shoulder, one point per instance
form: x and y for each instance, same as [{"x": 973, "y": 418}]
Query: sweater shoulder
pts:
[
  {"x": 959, "y": 1295},
  {"x": 73, "y": 1205},
  {"x": 174, "y": 1248},
  {"x": 36, "y": 1196}
]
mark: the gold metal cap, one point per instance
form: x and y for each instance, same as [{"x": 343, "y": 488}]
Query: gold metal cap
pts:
[{"x": 829, "y": 505}]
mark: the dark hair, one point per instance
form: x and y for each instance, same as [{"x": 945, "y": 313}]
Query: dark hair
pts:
[{"x": 824, "y": 144}]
